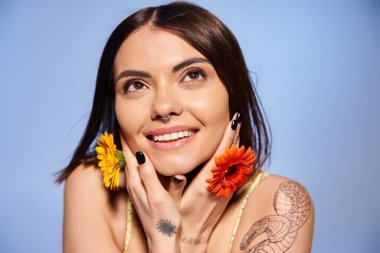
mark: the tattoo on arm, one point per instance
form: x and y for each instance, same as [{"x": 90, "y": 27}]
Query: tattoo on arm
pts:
[
  {"x": 193, "y": 241},
  {"x": 166, "y": 227},
  {"x": 292, "y": 205}
]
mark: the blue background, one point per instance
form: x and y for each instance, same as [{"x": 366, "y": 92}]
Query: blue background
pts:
[{"x": 316, "y": 65}]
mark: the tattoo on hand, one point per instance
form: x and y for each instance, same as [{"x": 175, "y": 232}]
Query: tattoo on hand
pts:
[
  {"x": 166, "y": 227},
  {"x": 292, "y": 205},
  {"x": 193, "y": 241}
]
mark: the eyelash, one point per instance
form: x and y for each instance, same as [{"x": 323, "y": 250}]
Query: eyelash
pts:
[
  {"x": 130, "y": 83},
  {"x": 202, "y": 73},
  {"x": 195, "y": 70}
]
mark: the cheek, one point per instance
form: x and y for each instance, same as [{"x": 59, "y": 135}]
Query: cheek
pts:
[
  {"x": 212, "y": 107},
  {"x": 213, "y": 113},
  {"x": 130, "y": 120},
  {"x": 212, "y": 110}
]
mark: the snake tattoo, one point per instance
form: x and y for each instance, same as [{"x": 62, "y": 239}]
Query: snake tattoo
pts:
[{"x": 293, "y": 206}]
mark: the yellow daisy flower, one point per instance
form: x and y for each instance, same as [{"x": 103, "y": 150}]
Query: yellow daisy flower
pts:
[{"x": 110, "y": 160}]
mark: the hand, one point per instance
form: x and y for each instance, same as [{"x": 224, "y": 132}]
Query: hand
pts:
[
  {"x": 156, "y": 208},
  {"x": 201, "y": 210}
]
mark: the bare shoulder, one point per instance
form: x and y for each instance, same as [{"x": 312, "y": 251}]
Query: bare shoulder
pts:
[
  {"x": 84, "y": 177},
  {"x": 89, "y": 213},
  {"x": 278, "y": 217},
  {"x": 84, "y": 190}
]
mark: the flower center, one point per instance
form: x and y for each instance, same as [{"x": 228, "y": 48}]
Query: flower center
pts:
[{"x": 231, "y": 171}]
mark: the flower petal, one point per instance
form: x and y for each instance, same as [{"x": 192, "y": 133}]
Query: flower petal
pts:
[
  {"x": 108, "y": 160},
  {"x": 231, "y": 171}
]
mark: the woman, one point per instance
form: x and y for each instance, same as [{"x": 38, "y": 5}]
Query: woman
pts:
[{"x": 174, "y": 90}]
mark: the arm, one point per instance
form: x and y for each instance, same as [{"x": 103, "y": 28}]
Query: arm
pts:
[
  {"x": 168, "y": 217},
  {"x": 156, "y": 208},
  {"x": 201, "y": 210},
  {"x": 86, "y": 225},
  {"x": 279, "y": 218}
]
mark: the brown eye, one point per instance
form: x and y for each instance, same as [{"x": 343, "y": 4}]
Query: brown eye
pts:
[
  {"x": 194, "y": 74},
  {"x": 133, "y": 86}
]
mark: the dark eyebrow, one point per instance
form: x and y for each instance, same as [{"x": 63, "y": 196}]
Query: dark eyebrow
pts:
[
  {"x": 188, "y": 62},
  {"x": 137, "y": 73},
  {"x": 176, "y": 68}
]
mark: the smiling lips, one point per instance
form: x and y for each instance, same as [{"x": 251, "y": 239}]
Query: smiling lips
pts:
[{"x": 171, "y": 138}]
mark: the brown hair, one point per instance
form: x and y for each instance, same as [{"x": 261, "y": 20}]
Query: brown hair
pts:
[{"x": 207, "y": 34}]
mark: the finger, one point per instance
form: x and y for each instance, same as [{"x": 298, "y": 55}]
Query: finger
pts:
[
  {"x": 231, "y": 131},
  {"x": 236, "y": 139},
  {"x": 134, "y": 185},
  {"x": 153, "y": 187},
  {"x": 130, "y": 160},
  {"x": 176, "y": 186}
]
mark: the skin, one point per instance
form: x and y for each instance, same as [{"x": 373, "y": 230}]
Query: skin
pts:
[
  {"x": 168, "y": 218},
  {"x": 188, "y": 96}
]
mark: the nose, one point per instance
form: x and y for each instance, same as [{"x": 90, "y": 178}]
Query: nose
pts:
[{"x": 166, "y": 104}]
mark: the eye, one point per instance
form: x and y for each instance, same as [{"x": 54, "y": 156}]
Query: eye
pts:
[
  {"x": 194, "y": 75},
  {"x": 133, "y": 86}
]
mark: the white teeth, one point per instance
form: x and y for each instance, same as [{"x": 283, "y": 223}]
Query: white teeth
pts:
[
  {"x": 166, "y": 137},
  {"x": 173, "y": 136}
]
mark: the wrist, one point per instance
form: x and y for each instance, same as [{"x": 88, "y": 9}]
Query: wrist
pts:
[
  {"x": 193, "y": 244},
  {"x": 165, "y": 246},
  {"x": 161, "y": 242}
]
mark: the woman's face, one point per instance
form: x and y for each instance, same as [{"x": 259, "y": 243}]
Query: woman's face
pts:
[{"x": 159, "y": 74}]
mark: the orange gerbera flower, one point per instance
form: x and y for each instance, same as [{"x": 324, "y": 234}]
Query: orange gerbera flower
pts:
[
  {"x": 110, "y": 160},
  {"x": 231, "y": 171}
]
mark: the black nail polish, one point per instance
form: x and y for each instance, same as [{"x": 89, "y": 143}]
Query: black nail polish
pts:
[
  {"x": 140, "y": 157},
  {"x": 234, "y": 124},
  {"x": 177, "y": 180},
  {"x": 238, "y": 117}
]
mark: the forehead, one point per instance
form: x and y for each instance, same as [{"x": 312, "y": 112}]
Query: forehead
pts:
[{"x": 149, "y": 47}]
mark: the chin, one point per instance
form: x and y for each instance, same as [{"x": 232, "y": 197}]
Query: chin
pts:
[{"x": 171, "y": 167}]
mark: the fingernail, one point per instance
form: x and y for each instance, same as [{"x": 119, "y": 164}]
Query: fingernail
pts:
[
  {"x": 238, "y": 117},
  {"x": 177, "y": 180},
  {"x": 140, "y": 157},
  {"x": 234, "y": 124}
]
